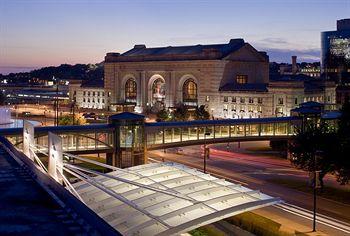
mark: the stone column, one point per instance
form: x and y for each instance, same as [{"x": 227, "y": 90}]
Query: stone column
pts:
[
  {"x": 173, "y": 89},
  {"x": 144, "y": 90}
]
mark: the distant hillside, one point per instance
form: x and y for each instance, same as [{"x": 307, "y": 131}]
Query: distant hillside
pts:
[{"x": 64, "y": 71}]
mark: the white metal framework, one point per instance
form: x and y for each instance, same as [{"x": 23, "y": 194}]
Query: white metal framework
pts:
[{"x": 164, "y": 198}]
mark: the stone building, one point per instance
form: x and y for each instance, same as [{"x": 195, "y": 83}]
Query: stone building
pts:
[
  {"x": 231, "y": 80},
  {"x": 153, "y": 78},
  {"x": 88, "y": 94}
]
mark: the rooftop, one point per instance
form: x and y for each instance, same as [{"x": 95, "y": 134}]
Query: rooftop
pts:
[
  {"x": 93, "y": 83},
  {"x": 178, "y": 199},
  {"x": 171, "y": 53}
]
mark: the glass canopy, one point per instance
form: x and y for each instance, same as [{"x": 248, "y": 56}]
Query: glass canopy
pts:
[{"x": 166, "y": 198}]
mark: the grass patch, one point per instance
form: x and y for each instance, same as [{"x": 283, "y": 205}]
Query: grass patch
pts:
[
  {"x": 259, "y": 225},
  {"x": 336, "y": 194},
  {"x": 208, "y": 230}
]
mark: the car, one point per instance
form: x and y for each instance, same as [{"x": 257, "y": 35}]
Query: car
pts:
[{"x": 26, "y": 113}]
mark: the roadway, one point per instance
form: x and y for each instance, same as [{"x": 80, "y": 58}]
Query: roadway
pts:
[{"x": 255, "y": 171}]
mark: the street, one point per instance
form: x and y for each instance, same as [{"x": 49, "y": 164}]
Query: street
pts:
[{"x": 256, "y": 171}]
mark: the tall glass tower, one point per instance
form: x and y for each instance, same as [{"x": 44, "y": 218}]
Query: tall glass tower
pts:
[{"x": 335, "y": 52}]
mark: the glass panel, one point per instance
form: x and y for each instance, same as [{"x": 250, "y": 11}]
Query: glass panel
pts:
[
  {"x": 266, "y": 129},
  {"x": 225, "y": 131},
  {"x": 185, "y": 134},
  {"x": 176, "y": 134},
  {"x": 168, "y": 135},
  {"x": 192, "y": 133},
  {"x": 281, "y": 128}
]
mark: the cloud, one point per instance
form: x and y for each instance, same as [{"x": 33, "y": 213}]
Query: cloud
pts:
[{"x": 284, "y": 55}]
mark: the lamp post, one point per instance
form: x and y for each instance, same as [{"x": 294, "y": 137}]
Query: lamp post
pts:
[
  {"x": 205, "y": 152},
  {"x": 56, "y": 101}
]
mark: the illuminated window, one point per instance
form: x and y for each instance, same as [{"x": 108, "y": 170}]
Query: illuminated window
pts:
[
  {"x": 207, "y": 98},
  {"x": 233, "y": 107},
  {"x": 130, "y": 90},
  {"x": 189, "y": 91},
  {"x": 242, "y": 79},
  {"x": 280, "y": 101},
  {"x": 225, "y": 99},
  {"x": 251, "y": 100},
  {"x": 259, "y": 109},
  {"x": 225, "y": 107}
]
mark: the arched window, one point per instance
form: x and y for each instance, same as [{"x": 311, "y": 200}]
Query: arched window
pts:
[
  {"x": 158, "y": 91},
  {"x": 130, "y": 90},
  {"x": 189, "y": 91}
]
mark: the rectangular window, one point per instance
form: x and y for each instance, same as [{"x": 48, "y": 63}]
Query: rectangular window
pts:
[
  {"x": 225, "y": 107},
  {"x": 260, "y": 100},
  {"x": 233, "y": 99},
  {"x": 296, "y": 101},
  {"x": 259, "y": 109},
  {"x": 251, "y": 100},
  {"x": 98, "y": 93},
  {"x": 242, "y": 79},
  {"x": 207, "y": 98},
  {"x": 84, "y": 93},
  {"x": 225, "y": 99},
  {"x": 280, "y": 101},
  {"x": 242, "y": 100},
  {"x": 233, "y": 107}
]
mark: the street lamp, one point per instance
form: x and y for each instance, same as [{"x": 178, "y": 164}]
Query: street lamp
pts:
[{"x": 206, "y": 152}]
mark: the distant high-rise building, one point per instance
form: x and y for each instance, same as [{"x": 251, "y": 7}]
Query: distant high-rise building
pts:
[{"x": 335, "y": 52}]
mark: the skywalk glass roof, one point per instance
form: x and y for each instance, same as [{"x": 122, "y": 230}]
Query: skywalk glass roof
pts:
[{"x": 166, "y": 198}]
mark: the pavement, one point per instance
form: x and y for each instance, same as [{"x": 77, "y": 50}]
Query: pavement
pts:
[
  {"x": 254, "y": 171},
  {"x": 26, "y": 209}
]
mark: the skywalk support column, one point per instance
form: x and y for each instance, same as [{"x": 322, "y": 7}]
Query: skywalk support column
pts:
[
  {"x": 129, "y": 139},
  {"x": 28, "y": 138},
  {"x": 55, "y": 157}
]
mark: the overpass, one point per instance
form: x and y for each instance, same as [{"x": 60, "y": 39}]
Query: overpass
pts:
[
  {"x": 125, "y": 139},
  {"x": 127, "y": 136}
]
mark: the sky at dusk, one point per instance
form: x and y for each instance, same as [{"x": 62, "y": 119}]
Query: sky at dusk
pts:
[{"x": 37, "y": 33}]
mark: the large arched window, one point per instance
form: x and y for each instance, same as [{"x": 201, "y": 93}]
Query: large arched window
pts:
[
  {"x": 158, "y": 91},
  {"x": 130, "y": 90},
  {"x": 189, "y": 91}
]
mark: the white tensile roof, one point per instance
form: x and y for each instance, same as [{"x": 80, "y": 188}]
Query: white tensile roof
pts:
[{"x": 175, "y": 199}]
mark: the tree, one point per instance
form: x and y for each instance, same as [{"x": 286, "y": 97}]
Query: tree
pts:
[
  {"x": 68, "y": 120},
  {"x": 162, "y": 115},
  {"x": 181, "y": 113},
  {"x": 2, "y": 98},
  {"x": 201, "y": 113},
  {"x": 314, "y": 148},
  {"x": 342, "y": 166}
]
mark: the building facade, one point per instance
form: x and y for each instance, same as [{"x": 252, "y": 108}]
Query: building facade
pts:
[
  {"x": 335, "y": 52},
  {"x": 89, "y": 94},
  {"x": 156, "y": 78},
  {"x": 231, "y": 80}
]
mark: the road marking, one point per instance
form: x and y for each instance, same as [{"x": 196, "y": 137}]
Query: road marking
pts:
[
  {"x": 298, "y": 211},
  {"x": 320, "y": 219}
]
